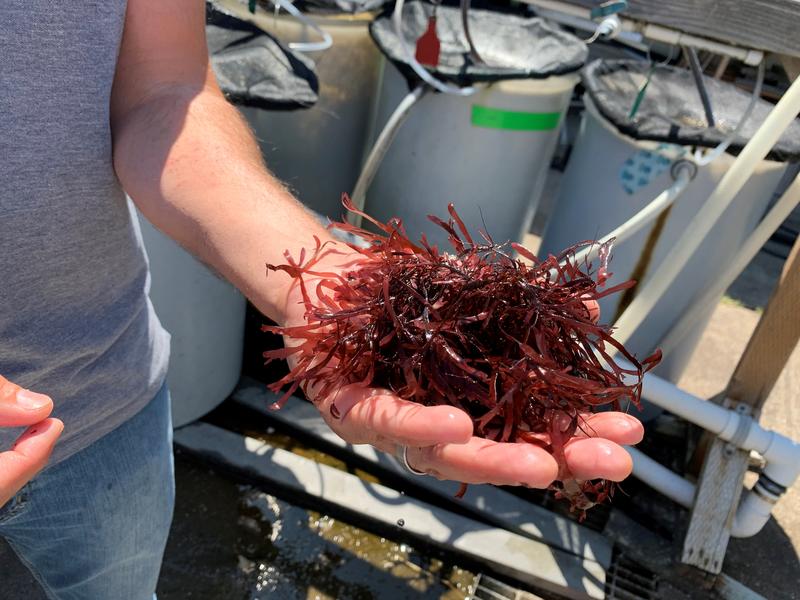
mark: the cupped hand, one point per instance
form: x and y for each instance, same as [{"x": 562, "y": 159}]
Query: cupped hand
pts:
[
  {"x": 29, "y": 455},
  {"x": 440, "y": 439}
]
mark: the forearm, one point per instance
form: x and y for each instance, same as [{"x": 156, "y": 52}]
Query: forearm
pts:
[{"x": 192, "y": 167}]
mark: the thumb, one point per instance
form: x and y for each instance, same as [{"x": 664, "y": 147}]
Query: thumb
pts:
[
  {"x": 28, "y": 456},
  {"x": 20, "y": 407}
]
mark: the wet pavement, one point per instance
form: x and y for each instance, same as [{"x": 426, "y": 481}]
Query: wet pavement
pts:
[
  {"x": 234, "y": 541},
  {"x": 231, "y": 541}
]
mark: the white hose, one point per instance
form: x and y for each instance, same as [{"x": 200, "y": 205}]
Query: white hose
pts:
[
  {"x": 324, "y": 44},
  {"x": 777, "y": 215},
  {"x": 381, "y": 146},
  {"x": 710, "y": 156},
  {"x": 684, "y": 173},
  {"x": 422, "y": 73},
  {"x": 781, "y": 116}
]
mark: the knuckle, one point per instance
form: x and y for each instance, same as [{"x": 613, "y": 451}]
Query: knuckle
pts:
[{"x": 8, "y": 390}]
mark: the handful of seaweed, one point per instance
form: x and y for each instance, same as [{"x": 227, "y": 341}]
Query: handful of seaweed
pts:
[{"x": 511, "y": 343}]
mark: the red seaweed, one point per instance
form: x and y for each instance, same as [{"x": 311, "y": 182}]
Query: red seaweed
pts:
[{"x": 509, "y": 341}]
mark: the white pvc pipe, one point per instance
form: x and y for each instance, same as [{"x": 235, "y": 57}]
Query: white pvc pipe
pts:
[
  {"x": 781, "y": 454},
  {"x": 724, "y": 423},
  {"x": 729, "y": 186},
  {"x": 777, "y": 215},
  {"x": 711, "y": 417},
  {"x": 660, "y": 478},
  {"x": 751, "y": 515},
  {"x": 679, "y": 38}
]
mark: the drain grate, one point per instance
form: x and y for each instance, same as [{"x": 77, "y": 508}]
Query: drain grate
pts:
[
  {"x": 625, "y": 580},
  {"x": 628, "y": 580},
  {"x": 488, "y": 588}
]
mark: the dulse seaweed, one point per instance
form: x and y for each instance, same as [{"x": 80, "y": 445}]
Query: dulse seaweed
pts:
[{"x": 511, "y": 343}]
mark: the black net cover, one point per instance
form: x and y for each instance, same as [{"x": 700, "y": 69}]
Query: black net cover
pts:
[
  {"x": 671, "y": 109},
  {"x": 513, "y": 47},
  {"x": 254, "y": 69},
  {"x": 351, "y": 7}
]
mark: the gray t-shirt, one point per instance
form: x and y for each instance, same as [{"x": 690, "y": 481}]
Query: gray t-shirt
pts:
[{"x": 75, "y": 319}]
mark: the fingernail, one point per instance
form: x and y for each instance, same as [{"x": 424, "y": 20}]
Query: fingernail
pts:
[{"x": 32, "y": 400}]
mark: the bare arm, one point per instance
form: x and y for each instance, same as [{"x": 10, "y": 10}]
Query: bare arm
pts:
[
  {"x": 190, "y": 162},
  {"x": 192, "y": 167}
]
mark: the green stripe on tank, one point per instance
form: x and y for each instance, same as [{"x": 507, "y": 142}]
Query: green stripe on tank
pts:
[{"x": 497, "y": 118}]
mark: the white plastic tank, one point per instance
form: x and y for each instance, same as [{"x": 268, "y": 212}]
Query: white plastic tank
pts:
[
  {"x": 317, "y": 152},
  {"x": 487, "y": 153},
  {"x": 609, "y": 178},
  {"x": 205, "y": 317}
]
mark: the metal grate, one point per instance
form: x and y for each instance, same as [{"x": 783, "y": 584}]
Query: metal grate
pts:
[
  {"x": 628, "y": 580},
  {"x": 488, "y": 588},
  {"x": 625, "y": 580}
]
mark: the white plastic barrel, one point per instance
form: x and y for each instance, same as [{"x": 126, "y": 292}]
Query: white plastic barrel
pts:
[
  {"x": 593, "y": 201},
  {"x": 205, "y": 317},
  {"x": 318, "y": 151},
  {"x": 487, "y": 153}
]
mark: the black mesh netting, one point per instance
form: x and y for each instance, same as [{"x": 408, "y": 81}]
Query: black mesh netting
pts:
[
  {"x": 512, "y": 47},
  {"x": 671, "y": 109},
  {"x": 340, "y": 6},
  {"x": 254, "y": 69}
]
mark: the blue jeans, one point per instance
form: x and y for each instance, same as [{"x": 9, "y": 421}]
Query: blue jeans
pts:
[{"x": 94, "y": 526}]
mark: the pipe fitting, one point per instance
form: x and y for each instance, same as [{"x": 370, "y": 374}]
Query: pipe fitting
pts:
[
  {"x": 781, "y": 454},
  {"x": 782, "y": 458},
  {"x": 609, "y": 28},
  {"x": 753, "y": 512},
  {"x": 683, "y": 164},
  {"x": 769, "y": 488}
]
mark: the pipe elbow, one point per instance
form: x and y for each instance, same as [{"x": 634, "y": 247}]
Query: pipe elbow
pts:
[
  {"x": 753, "y": 513},
  {"x": 782, "y": 456}
]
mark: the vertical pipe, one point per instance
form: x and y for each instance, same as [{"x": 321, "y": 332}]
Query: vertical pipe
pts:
[{"x": 697, "y": 73}]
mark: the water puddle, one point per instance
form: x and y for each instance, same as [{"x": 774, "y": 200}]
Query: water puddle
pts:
[{"x": 235, "y": 541}]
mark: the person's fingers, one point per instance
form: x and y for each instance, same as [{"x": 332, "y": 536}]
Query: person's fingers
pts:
[
  {"x": 373, "y": 416},
  {"x": 484, "y": 461},
  {"x": 20, "y": 407},
  {"x": 27, "y": 457},
  {"x": 597, "y": 458},
  {"x": 618, "y": 427}
]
